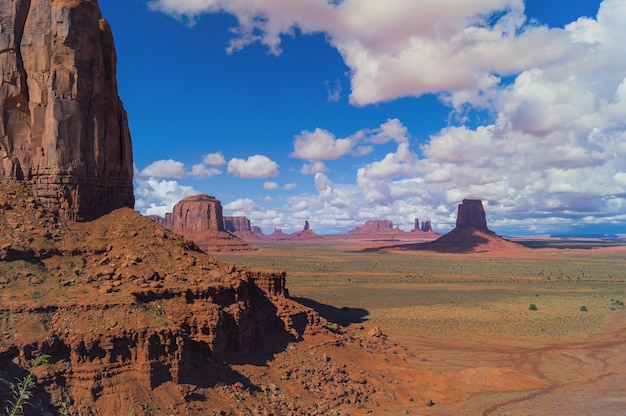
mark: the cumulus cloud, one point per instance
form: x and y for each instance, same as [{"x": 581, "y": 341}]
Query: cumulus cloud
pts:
[
  {"x": 257, "y": 166},
  {"x": 164, "y": 169},
  {"x": 321, "y": 144},
  {"x": 202, "y": 171},
  {"x": 399, "y": 48},
  {"x": 270, "y": 185},
  {"x": 214, "y": 159},
  {"x": 553, "y": 146},
  {"x": 313, "y": 168},
  {"x": 158, "y": 197}
]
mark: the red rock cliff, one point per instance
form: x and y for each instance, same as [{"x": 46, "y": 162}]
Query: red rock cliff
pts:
[
  {"x": 198, "y": 213},
  {"x": 471, "y": 214},
  {"x": 64, "y": 130}
]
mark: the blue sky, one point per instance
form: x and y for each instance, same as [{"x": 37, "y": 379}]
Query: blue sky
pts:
[{"x": 340, "y": 112}]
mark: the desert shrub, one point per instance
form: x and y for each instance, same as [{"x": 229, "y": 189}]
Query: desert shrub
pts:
[
  {"x": 583, "y": 308},
  {"x": 532, "y": 307},
  {"x": 23, "y": 390}
]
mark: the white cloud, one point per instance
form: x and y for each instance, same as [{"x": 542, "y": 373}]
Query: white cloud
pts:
[
  {"x": 399, "y": 48},
  {"x": 620, "y": 177},
  {"x": 553, "y": 147},
  {"x": 164, "y": 169},
  {"x": 257, "y": 166},
  {"x": 158, "y": 197},
  {"x": 270, "y": 185},
  {"x": 313, "y": 168},
  {"x": 214, "y": 159},
  {"x": 319, "y": 145},
  {"x": 202, "y": 171},
  {"x": 290, "y": 186}
]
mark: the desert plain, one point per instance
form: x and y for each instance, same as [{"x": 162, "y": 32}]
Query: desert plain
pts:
[{"x": 459, "y": 333}]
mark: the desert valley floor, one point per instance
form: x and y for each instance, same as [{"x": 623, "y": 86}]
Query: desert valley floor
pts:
[{"x": 458, "y": 327}]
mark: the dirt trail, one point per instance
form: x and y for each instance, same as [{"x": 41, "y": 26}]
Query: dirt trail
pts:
[{"x": 517, "y": 377}]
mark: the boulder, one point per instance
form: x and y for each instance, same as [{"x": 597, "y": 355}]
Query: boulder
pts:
[{"x": 64, "y": 131}]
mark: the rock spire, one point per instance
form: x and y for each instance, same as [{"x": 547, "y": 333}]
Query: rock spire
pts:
[{"x": 64, "y": 130}]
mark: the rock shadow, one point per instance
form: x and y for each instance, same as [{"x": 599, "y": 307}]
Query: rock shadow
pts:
[{"x": 341, "y": 316}]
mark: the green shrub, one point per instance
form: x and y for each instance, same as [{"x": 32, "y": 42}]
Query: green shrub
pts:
[
  {"x": 583, "y": 308},
  {"x": 23, "y": 390},
  {"x": 532, "y": 307}
]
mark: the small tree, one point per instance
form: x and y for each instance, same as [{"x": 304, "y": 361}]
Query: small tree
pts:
[
  {"x": 583, "y": 308},
  {"x": 532, "y": 307},
  {"x": 23, "y": 390}
]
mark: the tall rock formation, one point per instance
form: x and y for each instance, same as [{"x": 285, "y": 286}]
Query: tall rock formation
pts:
[
  {"x": 241, "y": 228},
  {"x": 237, "y": 224},
  {"x": 198, "y": 213},
  {"x": 470, "y": 235},
  {"x": 200, "y": 219},
  {"x": 471, "y": 214},
  {"x": 64, "y": 130},
  {"x": 374, "y": 225}
]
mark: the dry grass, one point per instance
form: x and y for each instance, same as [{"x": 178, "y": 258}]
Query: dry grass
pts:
[{"x": 454, "y": 295}]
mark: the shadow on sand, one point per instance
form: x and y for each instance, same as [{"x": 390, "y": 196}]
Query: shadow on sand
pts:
[
  {"x": 468, "y": 244},
  {"x": 340, "y": 316}
]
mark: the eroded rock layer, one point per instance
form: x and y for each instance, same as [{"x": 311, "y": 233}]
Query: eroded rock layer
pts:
[
  {"x": 64, "y": 130},
  {"x": 128, "y": 311},
  {"x": 200, "y": 219}
]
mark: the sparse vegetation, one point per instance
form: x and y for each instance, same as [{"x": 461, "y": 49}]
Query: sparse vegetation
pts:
[
  {"x": 583, "y": 308},
  {"x": 23, "y": 390},
  {"x": 532, "y": 307}
]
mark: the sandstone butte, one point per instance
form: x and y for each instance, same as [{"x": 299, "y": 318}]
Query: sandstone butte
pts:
[
  {"x": 64, "y": 132},
  {"x": 470, "y": 235},
  {"x": 200, "y": 219}
]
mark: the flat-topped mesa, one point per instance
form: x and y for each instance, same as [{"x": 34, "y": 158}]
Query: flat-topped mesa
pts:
[
  {"x": 197, "y": 213},
  {"x": 238, "y": 224},
  {"x": 375, "y": 225},
  {"x": 64, "y": 130},
  {"x": 471, "y": 214}
]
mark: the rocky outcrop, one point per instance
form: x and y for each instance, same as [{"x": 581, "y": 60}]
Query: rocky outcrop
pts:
[
  {"x": 64, "y": 130},
  {"x": 240, "y": 227},
  {"x": 235, "y": 224},
  {"x": 277, "y": 235},
  {"x": 471, "y": 214},
  {"x": 124, "y": 307},
  {"x": 197, "y": 213},
  {"x": 470, "y": 235},
  {"x": 200, "y": 219},
  {"x": 374, "y": 225}
]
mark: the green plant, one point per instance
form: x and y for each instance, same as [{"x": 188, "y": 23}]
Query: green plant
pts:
[
  {"x": 583, "y": 308},
  {"x": 23, "y": 390},
  {"x": 532, "y": 307}
]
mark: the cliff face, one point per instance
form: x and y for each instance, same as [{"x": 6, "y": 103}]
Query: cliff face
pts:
[
  {"x": 374, "y": 225},
  {"x": 237, "y": 224},
  {"x": 64, "y": 130},
  {"x": 200, "y": 219},
  {"x": 197, "y": 213},
  {"x": 471, "y": 214},
  {"x": 125, "y": 307}
]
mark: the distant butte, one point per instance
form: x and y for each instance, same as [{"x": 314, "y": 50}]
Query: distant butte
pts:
[
  {"x": 199, "y": 218},
  {"x": 471, "y": 234}
]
